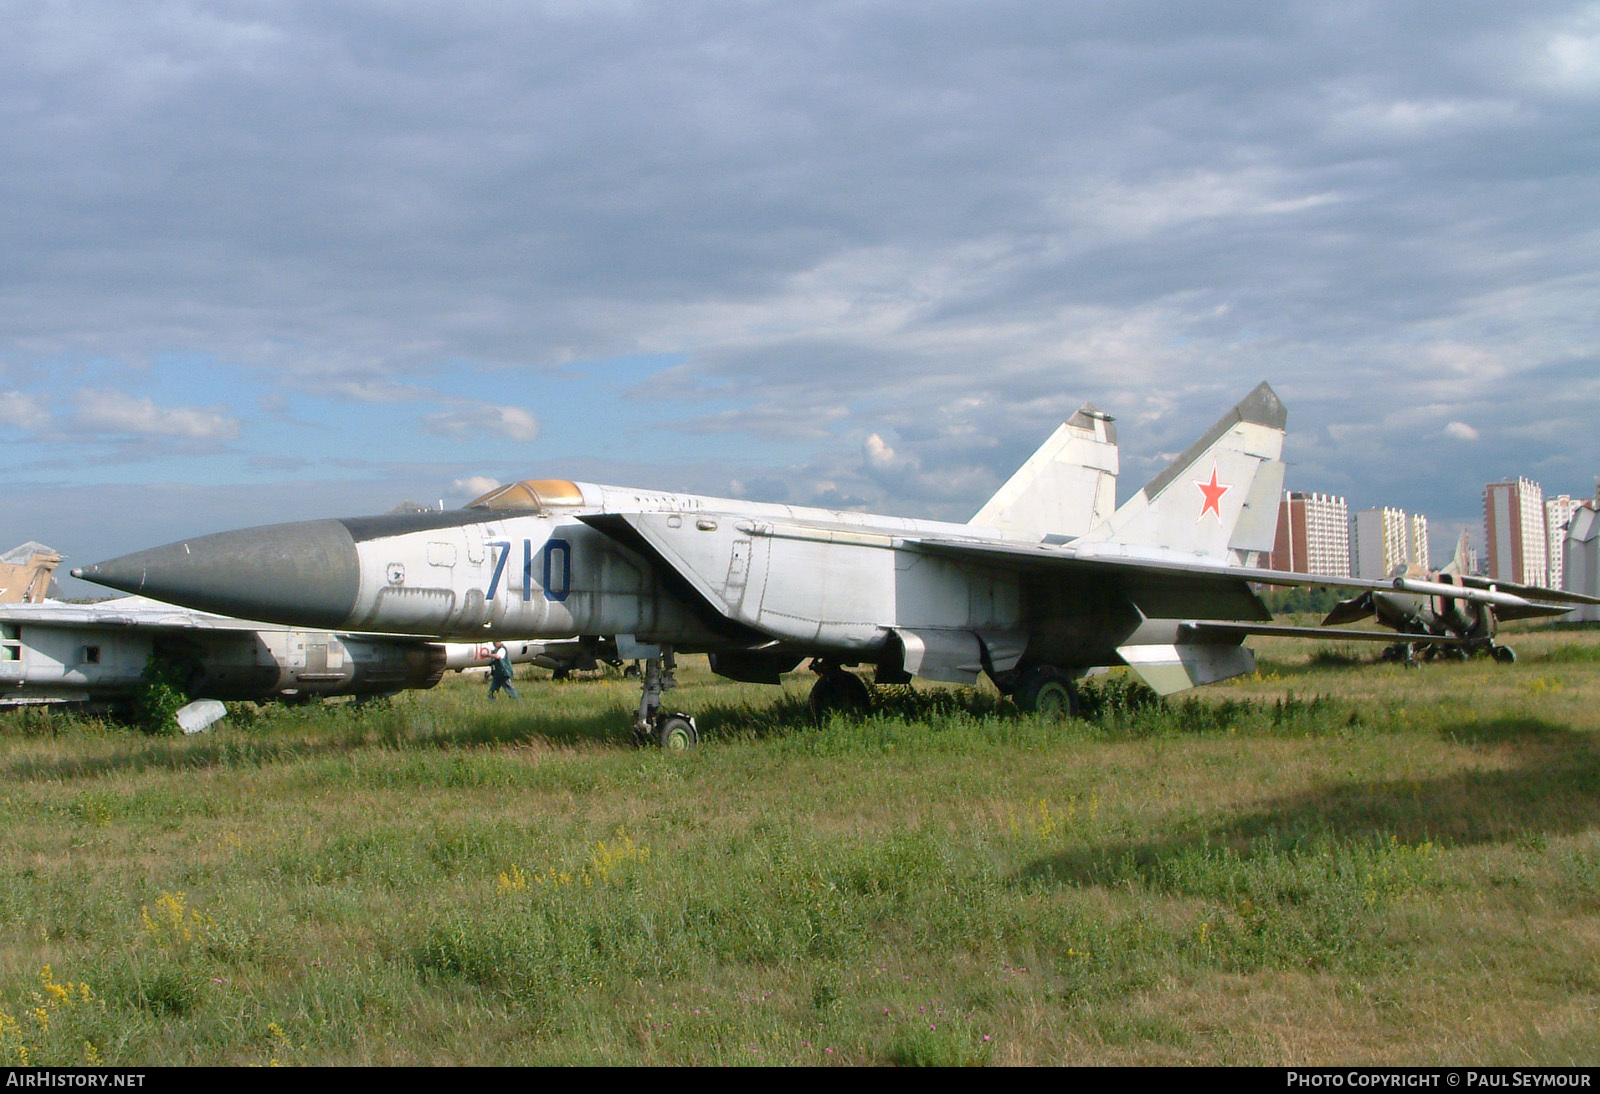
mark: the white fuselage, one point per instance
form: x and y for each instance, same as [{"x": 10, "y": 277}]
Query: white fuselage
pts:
[{"x": 811, "y": 577}]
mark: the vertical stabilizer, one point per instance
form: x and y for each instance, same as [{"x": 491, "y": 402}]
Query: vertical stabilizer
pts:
[
  {"x": 1219, "y": 500},
  {"x": 25, "y": 573},
  {"x": 1065, "y": 488},
  {"x": 1458, "y": 561}
]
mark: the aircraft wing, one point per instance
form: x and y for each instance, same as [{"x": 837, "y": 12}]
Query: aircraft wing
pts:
[
  {"x": 694, "y": 556},
  {"x": 640, "y": 534},
  {"x": 132, "y": 612},
  {"x": 693, "y": 566},
  {"x": 1528, "y": 592},
  {"x": 1510, "y": 601},
  {"x": 61, "y": 652},
  {"x": 142, "y": 613},
  {"x": 1532, "y": 611},
  {"x": 1109, "y": 559}
]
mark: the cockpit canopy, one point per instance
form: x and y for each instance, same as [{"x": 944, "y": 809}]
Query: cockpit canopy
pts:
[{"x": 532, "y": 494}]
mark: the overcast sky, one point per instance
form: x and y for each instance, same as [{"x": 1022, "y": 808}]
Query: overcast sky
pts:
[{"x": 271, "y": 260}]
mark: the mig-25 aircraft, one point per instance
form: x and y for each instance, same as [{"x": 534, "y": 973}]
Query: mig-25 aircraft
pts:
[{"x": 1044, "y": 584}]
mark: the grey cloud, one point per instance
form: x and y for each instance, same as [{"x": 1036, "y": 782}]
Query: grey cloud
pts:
[
  {"x": 847, "y": 217},
  {"x": 467, "y": 420},
  {"x": 768, "y": 421},
  {"x": 20, "y": 410},
  {"x": 472, "y": 486},
  {"x": 761, "y": 489},
  {"x": 382, "y": 391},
  {"x": 107, "y": 411}
]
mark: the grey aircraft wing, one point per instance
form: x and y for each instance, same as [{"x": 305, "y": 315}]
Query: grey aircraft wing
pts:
[
  {"x": 1505, "y": 598},
  {"x": 120, "y": 613},
  {"x": 98, "y": 652}
]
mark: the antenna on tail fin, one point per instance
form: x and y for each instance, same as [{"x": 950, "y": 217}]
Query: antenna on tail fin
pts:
[
  {"x": 1219, "y": 497},
  {"x": 1065, "y": 488}
]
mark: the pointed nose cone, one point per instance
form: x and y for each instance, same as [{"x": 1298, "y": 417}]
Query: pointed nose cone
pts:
[{"x": 304, "y": 574}]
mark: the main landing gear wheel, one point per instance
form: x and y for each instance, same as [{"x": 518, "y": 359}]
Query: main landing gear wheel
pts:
[
  {"x": 1505, "y": 655},
  {"x": 1045, "y": 689},
  {"x": 841, "y": 692}
]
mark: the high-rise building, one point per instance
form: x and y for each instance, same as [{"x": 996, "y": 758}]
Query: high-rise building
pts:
[
  {"x": 1514, "y": 532},
  {"x": 1418, "y": 545},
  {"x": 1382, "y": 542},
  {"x": 1313, "y": 535},
  {"x": 1557, "y": 512}
]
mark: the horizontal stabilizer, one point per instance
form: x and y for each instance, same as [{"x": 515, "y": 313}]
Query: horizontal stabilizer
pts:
[
  {"x": 1178, "y": 666},
  {"x": 1350, "y": 611}
]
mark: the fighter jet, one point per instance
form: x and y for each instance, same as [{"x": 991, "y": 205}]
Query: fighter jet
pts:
[
  {"x": 1429, "y": 609},
  {"x": 96, "y": 654},
  {"x": 1044, "y": 584}
]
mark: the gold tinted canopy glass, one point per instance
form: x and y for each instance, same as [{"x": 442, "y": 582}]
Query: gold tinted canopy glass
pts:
[{"x": 534, "y": 494}]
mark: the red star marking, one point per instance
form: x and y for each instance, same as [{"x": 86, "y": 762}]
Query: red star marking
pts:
[{"x": 1213, "y": 492}]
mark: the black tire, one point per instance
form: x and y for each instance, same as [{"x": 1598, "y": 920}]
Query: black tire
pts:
[
  {"x": 840, "y": 692},
  {"x": 1505, "y": 655},
  {"x": 1046, "y": 690},
  {"x": 675, "y": 733}
]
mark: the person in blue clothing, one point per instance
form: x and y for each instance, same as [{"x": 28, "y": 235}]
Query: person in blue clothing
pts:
[{"x": 500, "y": 671}]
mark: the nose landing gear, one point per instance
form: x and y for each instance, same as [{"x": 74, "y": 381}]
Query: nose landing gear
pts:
[{"x": 670, "y": 729}]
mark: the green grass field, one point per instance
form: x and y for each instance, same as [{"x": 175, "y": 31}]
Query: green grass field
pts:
[{"x": 1329, "y": 863}]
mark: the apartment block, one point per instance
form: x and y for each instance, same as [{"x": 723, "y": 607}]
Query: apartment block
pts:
[
  {"x": 1558, "y": 512},
  {"x": 1417, "y": 547},
  {"x": 1514, "y": 532},
  {"x": 1313, "y": 535},
  {"x": 1382, "y": 542}
]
